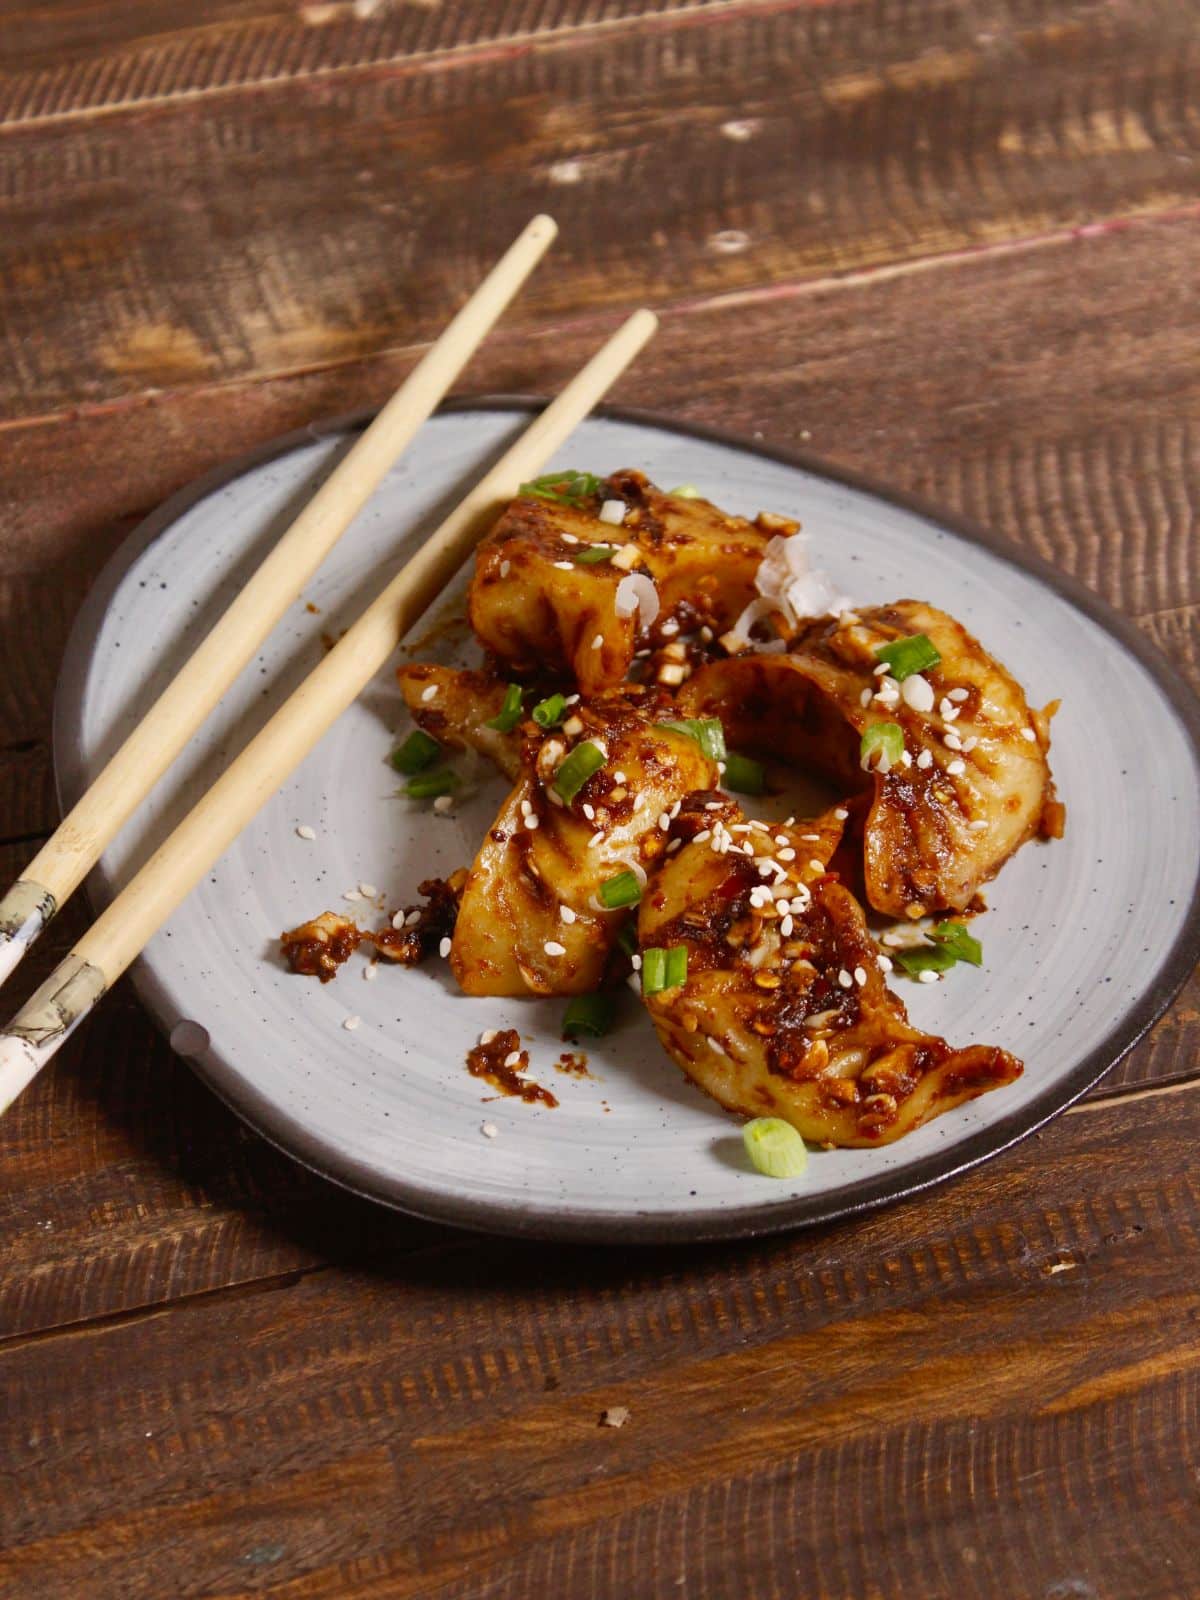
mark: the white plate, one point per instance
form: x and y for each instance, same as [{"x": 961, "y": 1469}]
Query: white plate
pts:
[{"x": 1086, "y": 940}]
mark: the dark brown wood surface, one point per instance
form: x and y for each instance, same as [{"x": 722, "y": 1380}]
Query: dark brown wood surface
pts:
[{"x": 951, "y": 243}]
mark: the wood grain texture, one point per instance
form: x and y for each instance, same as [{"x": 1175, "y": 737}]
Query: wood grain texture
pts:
[
  {"x": 972, "y": 1387},
  {"x": 145, "y": 275}
]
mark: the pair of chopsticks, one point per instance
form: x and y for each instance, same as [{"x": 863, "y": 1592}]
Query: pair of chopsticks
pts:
[{"x": 99, "y": 958}]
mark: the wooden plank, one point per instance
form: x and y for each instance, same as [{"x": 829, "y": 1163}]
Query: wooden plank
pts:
[
  {"x": 733, "y": 147},
  {"x": 986, "y": 1391}
]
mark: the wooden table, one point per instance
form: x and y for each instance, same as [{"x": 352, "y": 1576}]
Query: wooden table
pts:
[{"x": 952, "y": 243}]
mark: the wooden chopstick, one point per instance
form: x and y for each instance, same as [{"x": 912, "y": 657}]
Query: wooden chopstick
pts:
[
  {"x": 73, "y": 850},
  {"x": 116, "y": 937}
]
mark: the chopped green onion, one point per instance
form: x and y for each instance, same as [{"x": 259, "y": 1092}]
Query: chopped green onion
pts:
[
  {"x": 417, "y": 751},
  {"x": 575, "y": 771},
  {"x": 906, "y": 656},
  {"x": 510, "y": 711},
  {"x": 685, "y": 491},
  {"x": 887, "y": 738},
  {"x": 743, "y": 776},
  {"x": 567, "y": 488},
  {"x": 964, "y": 946},
  {"x": 775, "y": 1148},
  {"x": 623, "y": 890},
  {"x": 590, "y": 554},
  {"x": 926, "y": 958},
  {"x": 427, "y": 784},
  {"x": 707, "y": 732},
  {"x": 588, "y": 1013},
  {"x": 627, "y": 939},
  {"x": 664, "y": 969},
  {"x": 549, "y": 713}
]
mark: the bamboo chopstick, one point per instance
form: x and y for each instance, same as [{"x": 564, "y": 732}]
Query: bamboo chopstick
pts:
[
  {"x": 116, "y": 937},
  {"x": 73, "y": 850}
]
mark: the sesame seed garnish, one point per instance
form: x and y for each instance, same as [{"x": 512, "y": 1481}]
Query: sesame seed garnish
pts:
[
  {"x": 566, "y": 913},
  {"x": 880, "y": 669},
  {"x": 716, "y": 1046},
  {"x": 713, "y": 805},
  {"x": 488, "y": 1035},
  {"x": 674, "y": 811},
  {"x": 619, "y": 777},
  {"x": 767, "y": 868},
  {"x": 844, "y": 978},
  {"x": 957, "y": 695},
  {"x": 864, "y": 698},
  {"x": 705, "y": 833},
  {"x": 841, "y": 813},
  {"x": 978, "y": 826},
  {"x": 927, "y": 977},
  {"x": 351, "y": 894},
  {"x": 568, "y": 538},
  {"x": 860, "y": 976},
  {"x": 811, "y": 838},
  {"x": 675, "y": 844},
  {"x": 368, "y": 891},
  {"x": 411, "y": 920},
  {"x": 398, "y": 919},
  {"x": 664, "y": 820},
  {"x": 597, "y": 641},
  {"x": 444, "y": 948},
  {"x": 350, "y": 1023},
  {"x": 565, "y": 566},
  {"x": 505, "y": 568},
  {"x": 489, "y": 1130},
  {"x": 906, "y": 758},
  {"x": 553, "y": 948},
  {"x": 945, "y": 705},
  {"x": 526, "y": 808},
  {"x": 444, "y": 803},
  {"x": 1028, "y": 733},
  {"x": 917, "y": 692},
  {"x": 636, "y": 962},
  {"x": 956, "y": 767},
  {"x": 951, "y": 741},
  {"x": 953, "y": 714},
  {"x": 669, "y": 628},
  {"x": 787, "y": 855},
  {"x": 968, "y": 745},
  {"x": 371, "y": 971},
  {"x": 884, "y": 963},
  {"x": 305, "y": 832},
  {"x": 430, "y": 693},
  {"x": 925, "y": 760},
  {"x": 816, "y": 866},
  {"x": 596, "y": 838},
  {"x": 531, "y": 822},
  {"x": 513, "y": 1058},
  {"x": 786, "y": 925},
  {"x": 706, "y": 634}
]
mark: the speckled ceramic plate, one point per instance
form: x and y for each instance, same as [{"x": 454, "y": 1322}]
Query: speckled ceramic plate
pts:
[{"x": 1086, "y": 940}]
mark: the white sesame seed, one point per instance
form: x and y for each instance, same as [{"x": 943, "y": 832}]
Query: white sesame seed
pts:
[
  {"x": 444, "y": 803},
  {"x": 1028, "y": 733},
  {"x": 568, "y": 538},
  {"x": 571, "y": 700},
  {"x": 958, "y": 695},
  {"x": 675, "y": 844},
  {"x": 596, "y": 838},
  {"x": 860, "y": 976},
  {"x": 956, "y": 767},
  {"x": 917, "y": 692},
  {"x": 351, "y": 894},
  {"x": 637, "y": 962},
  {"x": 884, "y": 963},
  {"x": 350, "y": 1023},
  {"x": 841, "y": 813},
  {"x": 715, "y": 1045},
  {"x": 713, "y": 805},
  {"x": 786, "y": 925},
  {"x": 368, "y": 891},
  {"x": 906, "y": 758},
  {"x": 767, "y": 868},
  {"x": 532, "y": 824},
  {"x": 706, "y": 634},
  {"x": 598, "y": 641},
  {"x": 953, "y": 714},
  {"x": 927, "y": 977},
  {"x": 444, "y": 948},
  {"x": 305, "y": 832},
  {"x": 526, "y": 808},
  {"x": 566, "y": 913},
  {"x": 978, "y": 826},
  {"x": 553, "y": 948},
  {"x": 664, "y": 820},
  {"x": 669, "y": 628},
  {"x": 844, "y": 978},
  {"x": 565, "y": 566},
  {"x": 816, "y": 866},
  {"x": 880, "y": 669},
  {"x": 951, "y": 740},
  {"x": 505, "y": 568},
  {"x": 619, "y": 777},
  {"x": 489, "y": 1130},
  {"x": 430, "y": 693},
  {"x": 411, "y": 919},
  {"x": 674, "y": 811},
  {"x": 968, "y": 745},
  {"x": 925, "y": 760},
  {"x": 613, "y": 511},
  {"x": 787, "y": 855},
  {"x": 370, "y": 971},
  {"x": 397, "y": 919},
  {"x": 634, "y": 982},
  {"x": 513, "y": 1058},
  {"x": 864, "y": 698},
  {"x": 705, "y": 833},
  {"x": 488, "y": 1035}
]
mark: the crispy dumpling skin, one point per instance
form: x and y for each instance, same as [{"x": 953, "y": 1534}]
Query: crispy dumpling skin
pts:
[
  {"x": 523, "y": 877},
  {"x": 934, "y": 832},
  {"x": 536, "y": 607},
  {"x": 798, "y": 1025},
  {"x": 458, "y": 713}
]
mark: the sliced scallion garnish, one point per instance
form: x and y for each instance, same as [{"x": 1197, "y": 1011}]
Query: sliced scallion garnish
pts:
[
  {"x": 926, "y": 958},
  {"x": 775, "y": 1148},
  {"x": 707, "y": 732},
  {"x": 623, "y": 890},
  {"x": 510, "y": 712},
  {"x": 886, "y": 738},
  {"x": 589, "y": 555},
  {"x": 575, "y": 771},
  {"x": 742, "y": 775},
  {"x": 567, "y": 488},
  {"x": 906, "y": 656},
  {"x": 549, "y": 713},
  {"x": 428, "y": 784},
  {"x": 588, "y": 1013},
  {"x": 676, "y": 965},
  {"x": 964, "y": 946},
  {"x": 663, "y": 969},
  {"x": 417, "y": 751}
]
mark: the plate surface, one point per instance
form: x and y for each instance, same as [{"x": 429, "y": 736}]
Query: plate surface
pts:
[{"x": 1086, "y": 939}]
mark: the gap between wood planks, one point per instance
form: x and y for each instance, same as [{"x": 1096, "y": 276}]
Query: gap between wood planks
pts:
[
  {"x": 444, "y": 58},
  {"x": 594, "y": 323}
]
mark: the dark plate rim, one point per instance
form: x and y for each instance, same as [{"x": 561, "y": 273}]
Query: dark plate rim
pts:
[{"x": 688, "y": 1226}]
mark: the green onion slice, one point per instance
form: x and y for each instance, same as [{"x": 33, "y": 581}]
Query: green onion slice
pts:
[
  {"x": 775, "y": 1148},
  {"x": 685, "y": 491},
  {"x": 567, "y": 488},
  {"x": 926, "y": 958},
  {"x": 743, "y": 776},
  {"x": 887, "y": 738},
  {"x": 575, "y": 771},
  {"x": 663, "y": 969},
  {"x": 590, "y": 554},
  {"x": 549, "y": 713},
  {"x": 623, "y": 890},
  {"x": 427, "y": 784},
  {"x": 707, "y": 732},
  {"x": 510, "y": 711},
  {"x": 588, "y": 1013},
  {"x": 906, "y": 656},
  {"x": 964, "y": 946},
  {"x": 417, "y": 751}
]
